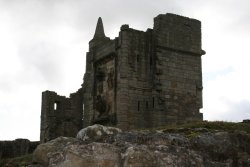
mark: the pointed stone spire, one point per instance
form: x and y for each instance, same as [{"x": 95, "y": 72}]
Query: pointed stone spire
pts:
[
  {"x": 99, "y": 37},
  {"x": 99, "y": 31}
]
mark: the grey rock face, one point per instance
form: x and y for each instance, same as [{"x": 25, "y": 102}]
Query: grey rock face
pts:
[
  {"x": 99, "y": 146},
  {"x": 96, "y": 132},
  {"x": 43, "y": 152},
  {"x": 35, "y": 165},
  {"x": 93, "y": 154}
]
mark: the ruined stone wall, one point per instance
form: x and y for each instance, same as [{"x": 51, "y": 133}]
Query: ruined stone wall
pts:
[
  {"x": 100, "y": 83},
  {"x": 122, "y": 78},
  {"x": 135, "y": 79},
  {"x": 104, "y": 91},
  {"x": 178, "y": 67},
  {"x": 73, "y": 117},
  {"x": 159, "y": 73},
  {"x": 60, "y": 116},
  {"x": 16, "y": 148},
  {"x": 88, "y": 88}
]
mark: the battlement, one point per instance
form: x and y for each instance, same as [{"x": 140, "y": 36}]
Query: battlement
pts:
[{"x": 60, "y": 115}]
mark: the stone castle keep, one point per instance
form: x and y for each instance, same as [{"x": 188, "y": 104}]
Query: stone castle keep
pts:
[{"x": 137, "y": 80}]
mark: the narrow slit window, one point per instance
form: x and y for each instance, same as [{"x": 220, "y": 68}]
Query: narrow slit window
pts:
[
  {"x": 83, "y": 112},
  {"x": 153, "y": 102},
  {"x": 56, "y": 106},
  {"x": 138, "y": 106},
  {"x": 138, "y": 58},
  {"x": 151, "y": 61},
  {"x": 146, "y": 104},
  {"x": 138, "y": 62}
]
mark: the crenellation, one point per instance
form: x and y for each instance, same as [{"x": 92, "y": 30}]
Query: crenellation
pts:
[{"x": 138, "y": 80}]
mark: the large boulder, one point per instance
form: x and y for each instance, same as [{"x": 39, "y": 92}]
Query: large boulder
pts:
[
  {"x": 96, "y": 132},
  {"x": 93, "y": 154},
  {"x": 42, "y": 152}
]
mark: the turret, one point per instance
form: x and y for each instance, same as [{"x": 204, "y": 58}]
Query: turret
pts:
[{"x": 99, "y": 36}]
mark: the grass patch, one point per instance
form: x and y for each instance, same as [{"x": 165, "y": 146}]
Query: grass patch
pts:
[
  {"x": 193, "y": 129},
  {"x": 220, "y": 125},
  {"x": 17, "y": 162},
  {"x": 192, "y": 134},
  {"x": 204, "y": 126}
]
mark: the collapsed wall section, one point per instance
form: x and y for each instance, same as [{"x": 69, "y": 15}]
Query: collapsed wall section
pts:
[
  {"x": 16, "y": 148},
  {"x": 60, "y": 116}
]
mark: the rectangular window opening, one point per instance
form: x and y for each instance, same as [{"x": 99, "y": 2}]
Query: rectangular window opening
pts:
[{"x": 83, "y": 112}]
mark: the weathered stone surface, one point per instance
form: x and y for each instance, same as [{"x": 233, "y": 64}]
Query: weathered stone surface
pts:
[
  {"x": 41, "y": 154},
  {"x": 148, "y": 148},
  {"x": 35, "y": 165},
  {"x": 96, "y": 132},
  {"x": 161, "y": 156},
  {"x": 15, "y": 148},
  {"x": 224, "y": 147},
  {"x": 93, "y": 154}
]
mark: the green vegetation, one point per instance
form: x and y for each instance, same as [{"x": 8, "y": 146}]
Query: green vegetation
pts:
[
  {"x": 210, "y": 126},
  {"x": 191, "y": 134},
  {"x": 193, "y": 129},
  {"x": 219, "y": 125},
  {"x": 16, "y": 162}
]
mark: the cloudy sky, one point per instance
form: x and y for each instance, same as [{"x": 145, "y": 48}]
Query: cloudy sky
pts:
[{"x": 43, "y": 45}]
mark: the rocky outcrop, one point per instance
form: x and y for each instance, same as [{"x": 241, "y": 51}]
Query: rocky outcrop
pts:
[
  {"x": 99, "y": 146},
  {"x": 96, "y": 132},
  {"x": 16, "y": 148},
  {"x": 44, "y": 151}
]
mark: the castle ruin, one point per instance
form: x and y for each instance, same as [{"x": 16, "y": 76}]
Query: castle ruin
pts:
[{"x": 137, "y": 80}]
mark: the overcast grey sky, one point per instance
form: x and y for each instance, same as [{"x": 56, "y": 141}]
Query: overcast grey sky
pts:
[{"x": 43, "y": 45}]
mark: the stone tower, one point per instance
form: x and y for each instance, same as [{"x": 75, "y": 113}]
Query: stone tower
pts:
[{"x": 137, "y": 80}]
